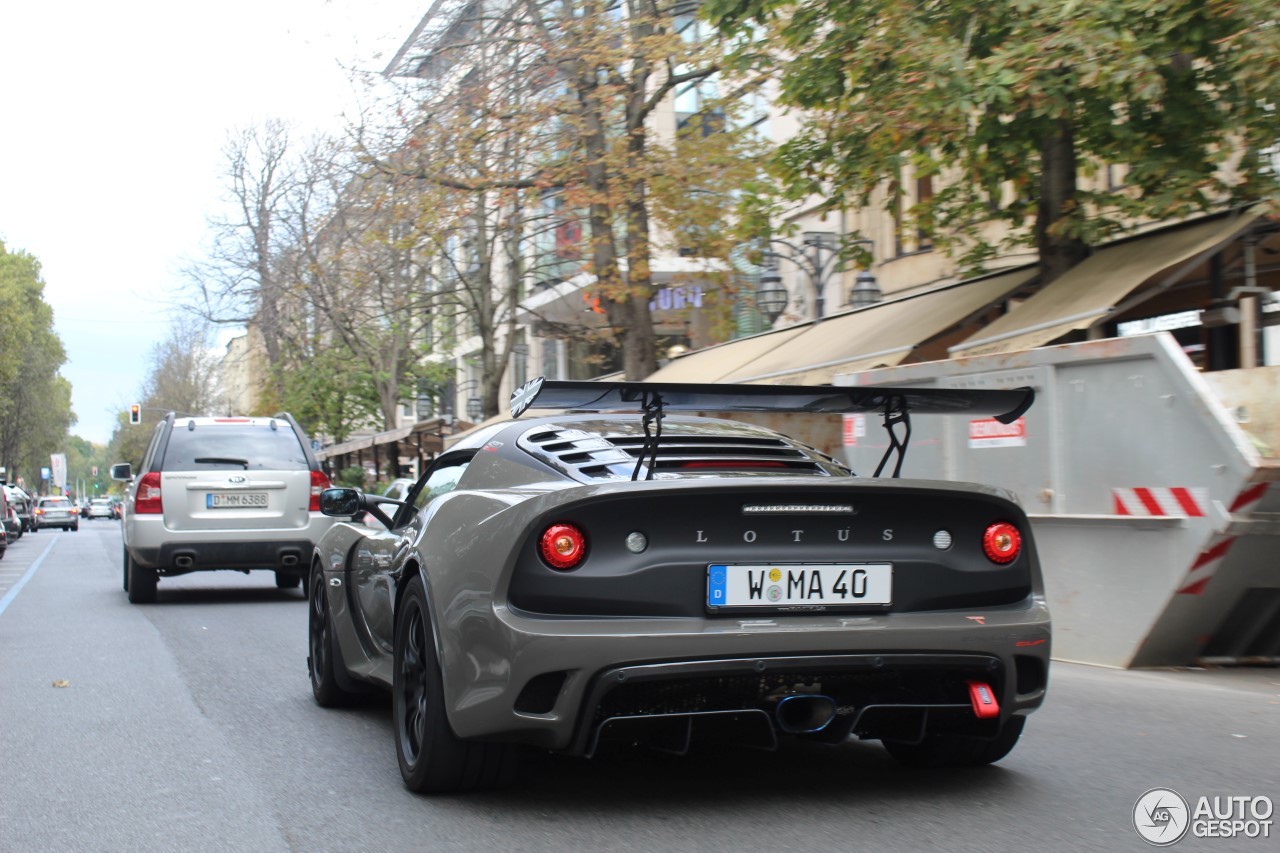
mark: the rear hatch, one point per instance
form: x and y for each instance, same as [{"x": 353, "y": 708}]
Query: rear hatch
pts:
[{"x": 238, "y": 473}]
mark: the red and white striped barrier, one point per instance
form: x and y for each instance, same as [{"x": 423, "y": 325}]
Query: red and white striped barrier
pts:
[
  {"x": 1160, "y": 501},
  {"x": 1206, "y": 563}
]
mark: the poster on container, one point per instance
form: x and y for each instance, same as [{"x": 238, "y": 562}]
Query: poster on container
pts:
[
  {"x": 58, "y": 461},
  {"x": 855, "y": 427},
  {"x": 989, "y": 432}
]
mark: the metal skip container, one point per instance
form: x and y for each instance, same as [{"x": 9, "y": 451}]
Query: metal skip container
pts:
[{"x": 1150, "y": 486}]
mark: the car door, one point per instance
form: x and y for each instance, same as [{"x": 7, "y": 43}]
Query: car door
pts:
[{"x": 379, "y": 559}]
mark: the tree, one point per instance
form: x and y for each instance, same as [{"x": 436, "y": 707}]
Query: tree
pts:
[
  {"x": 559, "y": 97},
  {"x": 1009, "y": 102},
  {"x": 37, "y": 400},
  {"x": 361, "y": 298},
  {"x": 241, "y": 281},
  {"x": 182, "y": 378}
]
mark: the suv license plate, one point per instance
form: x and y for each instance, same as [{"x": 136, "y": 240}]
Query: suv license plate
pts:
[
  {"x": 799, "y": 584},
  {"x": 235, "y": 500}
]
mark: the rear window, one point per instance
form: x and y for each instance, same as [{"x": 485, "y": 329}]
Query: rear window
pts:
[
  {"x": 234, "y": 447},
  {"x": 55, "y": 502}
]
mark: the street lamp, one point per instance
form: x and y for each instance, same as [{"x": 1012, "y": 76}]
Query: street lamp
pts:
[
  {"x": 425, "y": 406},
  {"x": 474, "y": 407},
  {"x": 865, "y": 291},
  {"x": 771, "y": 296},
  {"x": 819, "y": 256}
]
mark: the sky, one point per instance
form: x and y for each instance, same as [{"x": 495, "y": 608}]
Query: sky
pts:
[{"x": 113, "y": 120}]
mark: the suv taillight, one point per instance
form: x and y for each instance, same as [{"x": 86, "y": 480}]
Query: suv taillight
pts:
[
  {"x": 146, "y": 499},
  {"x": 319, "y": 482}
]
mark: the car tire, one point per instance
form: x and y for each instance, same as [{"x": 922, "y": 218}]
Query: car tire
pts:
[
  {"x": 955, "y": 750},
  {"x": 433, "y": 760},
  {"x": 324, "y": 658},
  {"x": 286, "y": 580},
  {"x": 142, "y": 582},
  {"x": 75, "y": 528},
  {"x": 125, "y": 565}
]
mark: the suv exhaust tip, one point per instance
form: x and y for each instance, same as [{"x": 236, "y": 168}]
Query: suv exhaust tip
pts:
[
  {"x": 289, "y": 560},
  {"x": 184, "y": 561}
]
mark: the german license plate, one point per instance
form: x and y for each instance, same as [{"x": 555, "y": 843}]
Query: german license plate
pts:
[
  {"x": 763, "y": 585},
  {"x": 235, "y": 500}
]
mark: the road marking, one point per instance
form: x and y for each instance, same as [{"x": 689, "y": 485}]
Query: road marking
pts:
[{"x": 17, "y": 587}]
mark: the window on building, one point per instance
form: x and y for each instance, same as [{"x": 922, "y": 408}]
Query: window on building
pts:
[{"x": 924, "y": 192}]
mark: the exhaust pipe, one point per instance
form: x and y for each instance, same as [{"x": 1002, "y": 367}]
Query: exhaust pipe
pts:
[
  {"x": 804, "y": 713},
  {"x": 289, "y": 560},
  {"x": 184, "y": 561}
]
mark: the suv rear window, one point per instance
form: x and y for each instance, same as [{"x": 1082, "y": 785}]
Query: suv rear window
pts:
[{"x": 233, "y": 447}]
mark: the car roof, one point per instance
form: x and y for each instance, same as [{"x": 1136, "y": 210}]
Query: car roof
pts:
[{"x": 230, "y": 419}]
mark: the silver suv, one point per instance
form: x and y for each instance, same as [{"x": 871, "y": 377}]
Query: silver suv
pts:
[{"x": 221, "y": 493}]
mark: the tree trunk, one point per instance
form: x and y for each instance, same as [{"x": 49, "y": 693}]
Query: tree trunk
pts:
[{"x": 1058, "y": 252}]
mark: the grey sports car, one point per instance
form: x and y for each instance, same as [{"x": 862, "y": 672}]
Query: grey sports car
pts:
[{"x": 575, "y": 581}]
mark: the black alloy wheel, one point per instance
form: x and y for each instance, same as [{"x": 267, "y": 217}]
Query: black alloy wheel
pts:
[
  {"x": 433, "y": 760},
  {"x": 323, "y": 659}
]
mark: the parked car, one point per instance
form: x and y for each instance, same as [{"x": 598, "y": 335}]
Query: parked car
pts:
[
  {"x": 221, "y": 493},
  {"x": 12, "y": 524},
  {"x": 573, "y": 581},
  {"x": 24, "y": 505},
  {"x": 57, "y": 511},
  {"x": 101, "y": 508},
  {"x": 398, "y": 488}
]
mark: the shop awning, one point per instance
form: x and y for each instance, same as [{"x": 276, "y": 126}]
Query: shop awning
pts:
[
  {"x": 428, "y": 429},
  {"x": 1087, "y": 294},
  {"x": 713, "y": 363},
  {"x": 879, "y": 336}
]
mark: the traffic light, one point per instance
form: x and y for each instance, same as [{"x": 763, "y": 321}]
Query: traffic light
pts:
[{"x": 135, "y": 414}]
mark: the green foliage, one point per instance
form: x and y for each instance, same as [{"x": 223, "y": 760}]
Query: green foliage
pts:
[
  {"x": 351, "y": 477},
  {"x": 329, "y": 393},
  {"x": 37, "y": 401},
  {"x": 1182, "y": 92}
]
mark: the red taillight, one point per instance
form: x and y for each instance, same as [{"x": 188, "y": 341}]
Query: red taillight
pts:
[
  {"x": 319, "y": 482},
  {"x": 146, "y": 498},
  {"x": 1002, "y": 542},
  {"x": 563, "y": 546}
]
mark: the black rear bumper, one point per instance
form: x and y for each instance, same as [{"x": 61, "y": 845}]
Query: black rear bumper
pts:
[
  {"x": 291, "y": 556},
  {"x": 877, "y": 695}
]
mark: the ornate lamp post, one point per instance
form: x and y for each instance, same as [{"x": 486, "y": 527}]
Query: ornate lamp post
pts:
[
  {"x": 771, "y": 296},
  {"x": 818, "y": 256}
]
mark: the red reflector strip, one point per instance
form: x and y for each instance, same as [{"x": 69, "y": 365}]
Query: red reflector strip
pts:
[
  {"x": 231, "y": 420},
  {"x": 983, "y": 700}
]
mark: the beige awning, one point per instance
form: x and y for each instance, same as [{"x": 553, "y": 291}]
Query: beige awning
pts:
[
  {"x": 1087, "y": 293},
  {"x": 350, "y": 446},
  {"x": 713, "y": 363},
  {"x": 879, "y": 336}
]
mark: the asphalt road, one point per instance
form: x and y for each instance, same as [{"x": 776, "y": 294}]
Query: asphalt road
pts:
[{"x": 189, "y": 725}]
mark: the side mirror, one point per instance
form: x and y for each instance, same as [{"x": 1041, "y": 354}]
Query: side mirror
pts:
[
  {"x": 122, "y": 471},
  {"x": 341, "y": 503}
]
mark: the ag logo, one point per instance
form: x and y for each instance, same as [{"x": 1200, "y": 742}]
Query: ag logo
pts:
[{"x": 1161, "y": 816}]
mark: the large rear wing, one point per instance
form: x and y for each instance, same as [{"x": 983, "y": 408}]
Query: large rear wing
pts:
[
  {"x": 1005, "y": 406},
  {"x": 654, "y": 399}
]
